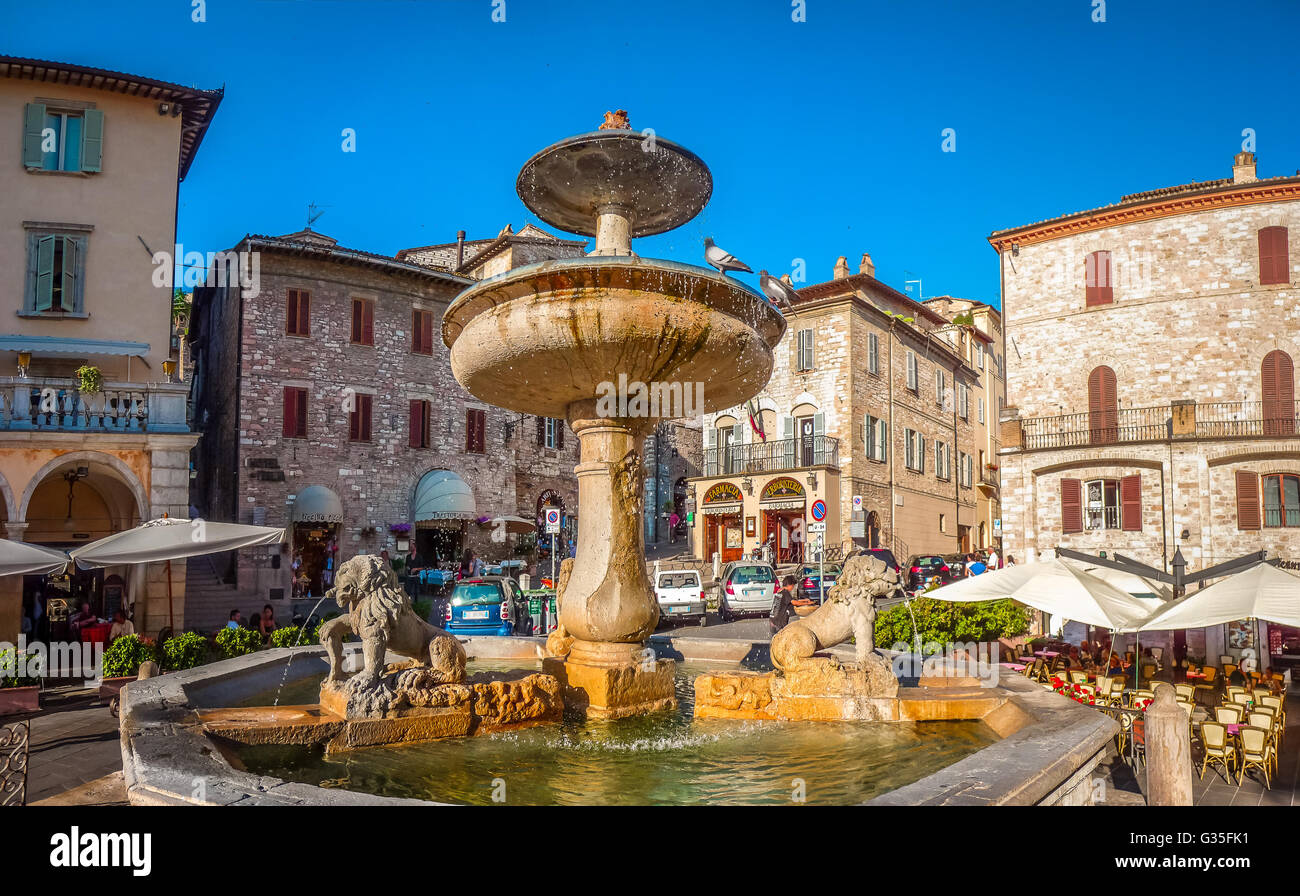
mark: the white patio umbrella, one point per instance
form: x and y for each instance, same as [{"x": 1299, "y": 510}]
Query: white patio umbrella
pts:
[
  {"x": 1055, "y": 587},
  {"x": 1259, "y": 592},
  {"x": 19, "y": 558},
  {"x": 172, "y": 538},
  {"x": 513, "y": 525}
]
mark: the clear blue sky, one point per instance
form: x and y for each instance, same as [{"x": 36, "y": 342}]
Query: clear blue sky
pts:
[{"x": 824, "y": 137}]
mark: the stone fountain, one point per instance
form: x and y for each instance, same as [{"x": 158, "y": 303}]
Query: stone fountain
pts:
[{"x": 550, "y": 339}]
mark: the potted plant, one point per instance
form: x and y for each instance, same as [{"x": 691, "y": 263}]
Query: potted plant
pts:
[
  {"x": 19, "y": 690},
  {"x": 90, "y": 380},
  {"x": 121, "y": 663}
]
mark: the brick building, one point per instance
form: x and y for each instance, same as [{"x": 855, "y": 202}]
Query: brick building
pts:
[
  {"x": 872, "y": 394},
  {"x": 327, "y": 404},
  {"x": 1150, "y": 375}
]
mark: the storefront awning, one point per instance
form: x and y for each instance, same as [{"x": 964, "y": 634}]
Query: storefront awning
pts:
[
  {"x": 720, "y": 509},
  {"x": 317, "y": 504},
  {"x": 442, "y": 495}
]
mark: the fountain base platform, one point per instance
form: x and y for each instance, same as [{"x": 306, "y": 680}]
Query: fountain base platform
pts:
[
  {"x": 484, "y": 703},
  {"x": 613, "y": 681},
  {"x": 823, "y": 689}
]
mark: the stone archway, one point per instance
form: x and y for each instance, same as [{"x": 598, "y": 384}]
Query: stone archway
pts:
[{"x": 100, "y": 464}]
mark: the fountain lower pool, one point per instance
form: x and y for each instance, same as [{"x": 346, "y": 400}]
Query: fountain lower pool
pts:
[{"x": 668, "y": 758}]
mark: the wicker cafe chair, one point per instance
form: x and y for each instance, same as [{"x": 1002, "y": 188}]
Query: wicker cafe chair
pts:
[
  {"x": 1242, "y": 698},
  {"x": 1132, "y": 728},
  {"x": 1148, "y": 671},
  {"x": 1228, "y": 668},
  {"x": 1268, "y": 722},
  {"x": 1260, "y": 693},
  {"x": 1276, "y": 704},
  {"x": 1185, "y": 692},
  {"x": 1214, "y": 741},
  {"x": 1228, "y": 715},
  {"x": 1078, "y": 677},
  {"x": 1256, "y": 752}
]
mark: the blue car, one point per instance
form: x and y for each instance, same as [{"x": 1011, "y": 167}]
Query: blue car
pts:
[{"x": 485, "y": 606}]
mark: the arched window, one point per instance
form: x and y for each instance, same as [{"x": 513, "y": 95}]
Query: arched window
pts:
[
  {"x": 1103, "y": 413},
  {"x": 1277, "y": 380}
]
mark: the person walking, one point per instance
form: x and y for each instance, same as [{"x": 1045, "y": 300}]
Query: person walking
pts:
[
  {"x": 783, "y": 604},
  {"x": 975, "y": 566},
  {"x": 993, "y": 558}
]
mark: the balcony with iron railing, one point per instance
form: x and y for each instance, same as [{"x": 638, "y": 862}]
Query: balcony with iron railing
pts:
[
  {"x": 1179, "y": 421},
  {"x": 54, "y": 404},
  {"x": 776, "y": 456}
]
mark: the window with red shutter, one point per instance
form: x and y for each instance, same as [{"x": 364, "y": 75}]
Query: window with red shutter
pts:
[
  {"x": 1098, "y": 289},
  {"x": 363, "y": 322},
  {"x": 1103, "y": 413},
  {"x": 297, "y": 312},
  {"x": 359, "y": 419},
  {"x": 541, "y": 432},
  {"x": 1071, "y": 506},
  {"x": 419, "y": 434},
  {"x": 295, "y": 413},
  {"x": 1274, "y": 257},
  {"x": 1247, "y": 500},
  {"x": 559, "y": 434},
  {"x": 1277, "y": 383},
  {"x": 475, "y": 431},
  {"x": 1130, "y": 496}
]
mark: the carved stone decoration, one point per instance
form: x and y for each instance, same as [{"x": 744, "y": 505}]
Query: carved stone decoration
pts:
[
  {"x": 560, "y": 642},
  {"x": 849, "y": 611},
  {"x": 615, "y": 121}
]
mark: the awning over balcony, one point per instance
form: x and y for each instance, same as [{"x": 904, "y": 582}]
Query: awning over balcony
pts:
[
  {"x": 442, "y": 495},
  {"x": 42, "y": 345},
  {"x": 317, "y": 504}
]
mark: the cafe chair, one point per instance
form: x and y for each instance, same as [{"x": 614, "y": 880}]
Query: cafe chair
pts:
[
  {"x": 1078, "y": 677},
  {"x": 1228, "y": 715},
  {"x": 1256, "y": 752},
  {"x": 1267, "y": 722},
  {"x": 1225, "y": 660},
  {"x": 1214, "y": 739},
  {"x": 1088, "y": 689},
  {"x": 1132, "y": 734},
  {"x": 1148, "y": 671},
  {"x": 1233, "y": 689},
  {"x": 1260, "y": 693},
  {"x": 1185, "y": 692},
  {"x": 1275, "y": 703},
  {"x": 1242, "y": 697},
  {"x": 1228, "y": 669}
]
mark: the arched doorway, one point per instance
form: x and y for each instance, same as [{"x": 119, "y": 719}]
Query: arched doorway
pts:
[
  {"x": 75, "y": 499},
  {"x": 317, "y": 521},
  {"x": 679, "y": 508},
  {"x": 873, "y": 529}
]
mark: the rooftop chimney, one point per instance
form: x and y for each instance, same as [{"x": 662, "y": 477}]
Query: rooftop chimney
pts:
[
  {"x": 841, "y": 268},
  {"x": 460, "y": 248},
  {"x": 1243, "y": 168},
  {"x": 867, "y": 266}
]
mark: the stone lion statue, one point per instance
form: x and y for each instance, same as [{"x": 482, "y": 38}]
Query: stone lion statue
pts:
[
  {"x": 379, "y": 612},
  {"x": 849, "y": 610}
]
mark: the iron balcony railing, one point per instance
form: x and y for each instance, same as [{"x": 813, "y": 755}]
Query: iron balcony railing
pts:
[
  {"x": 1233, "y": 419},
  {"x": 1105, "y": 428},
  {"x": 54, "y": 404},
  {"x": 772, "y": 456}
]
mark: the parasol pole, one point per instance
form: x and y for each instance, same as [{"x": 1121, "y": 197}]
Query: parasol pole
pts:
[{"x": 171, "y": 614}]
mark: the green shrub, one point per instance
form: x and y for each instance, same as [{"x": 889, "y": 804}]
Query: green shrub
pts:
[
  {"x": 234, "y": 642},
  {"x": 292, "y": 636},
  {"x": 9, "y": 677},
  {"x": 185, "y": 651},
  {"x": 947, "y": 622},
  {"x": 126, "y": 654}
]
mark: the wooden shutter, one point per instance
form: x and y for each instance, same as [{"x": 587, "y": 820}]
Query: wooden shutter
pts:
[
  {"x": 68, "y": 292},
  {"x": 1274, "y": 260},
  {"x": 1071, "y": 506},
  {"x": 559, "y": 433},
  {"x": 358, "y": 332},
  {"x": 363, "y": 322},
  {"x": 295, "y": 413},
  {"x": 297, "y": 313},
  {"x": 1098, "y": 289},
  {"x": 354, "y": 421},
  {"x": 45, "y": 272},
  {"x": 1277, "y": 376},
  {"x": 304, "y": 313},
  {"x": 1103, "y": 417},
  {"x": 541, "y": 432},
  {"x": 422, "y": 332},
  {"x": 416, "y": 418},
  {"x": 1130, "y": 503},
  {"x": 33, "y": 125},
  {"x": 92, "y": 140},
  {"x": 1247, "y": 500}
]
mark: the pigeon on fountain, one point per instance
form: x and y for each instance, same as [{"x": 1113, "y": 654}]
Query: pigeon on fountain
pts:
[
  {"x": 779, "y": 292},
  {"x": 722, "y": 259}
]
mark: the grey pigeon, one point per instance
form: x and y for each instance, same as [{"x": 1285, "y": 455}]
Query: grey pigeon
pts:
[
  {"x": 781, "y": 294},
  {"x": 722, "y": 259}
]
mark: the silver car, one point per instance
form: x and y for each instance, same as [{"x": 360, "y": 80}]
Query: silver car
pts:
[{"x": 747, "y": 588}]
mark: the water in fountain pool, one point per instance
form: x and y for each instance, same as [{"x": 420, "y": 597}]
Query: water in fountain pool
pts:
[{"x": 668, "y": 758}]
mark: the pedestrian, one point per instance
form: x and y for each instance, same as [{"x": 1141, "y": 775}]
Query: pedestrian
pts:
[
  {"x": 1011, "y": 561},
  {"x": 976, "y": 567},
  {"x": 993, "y": 558},
  {"x": 783, "y": 604},
  {"x": 467, "y": 564},
  {"x": 236, "y": 619},
  {"x": 266, "y": 624}
]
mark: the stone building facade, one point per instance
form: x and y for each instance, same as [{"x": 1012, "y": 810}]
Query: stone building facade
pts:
[
  {"x": 673, "y": 456},
  {"x": 1151, "y": 348},
  {"x": 90, "y": 168},
  {"x": 328, "y": 405},
  {"x": 871, "y": 395}
]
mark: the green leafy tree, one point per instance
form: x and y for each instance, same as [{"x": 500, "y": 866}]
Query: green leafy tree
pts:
[
  {"x": 185, "y": 651},
  {"x": 125, "y": 655},
  {"x": 945, "y": 622},
  {"x": 234, "y": 642}
]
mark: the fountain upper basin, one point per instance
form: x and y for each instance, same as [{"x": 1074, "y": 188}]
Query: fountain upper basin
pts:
[{"x": 542, "y": 337}]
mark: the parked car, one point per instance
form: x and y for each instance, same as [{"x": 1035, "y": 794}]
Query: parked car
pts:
[
  {"x": 956, "y": 564},
  {"x": 490, "y": 605},
  {"x": 885, "y": 555},
  {"x": 680, "y": 596},
  {"x": 809, "y": 583},
  {"x": 747, "y": 588},
  {"x": 921, "y": 569}
]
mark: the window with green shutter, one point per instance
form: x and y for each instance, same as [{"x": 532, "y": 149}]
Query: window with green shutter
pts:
[
  {"x": 62, "y": 139},
  {"x": 55, "y": 273}
]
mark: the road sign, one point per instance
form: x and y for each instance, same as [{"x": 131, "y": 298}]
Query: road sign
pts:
[
  {"x": 819, "y": 510},
  {"x": 552, "y": 520},
  {"x": 857, "y": 502},
  {"x": 816, "y": 527}
]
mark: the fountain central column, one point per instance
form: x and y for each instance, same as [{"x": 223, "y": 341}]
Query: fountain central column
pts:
[{"x": 608, "y": 606}]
